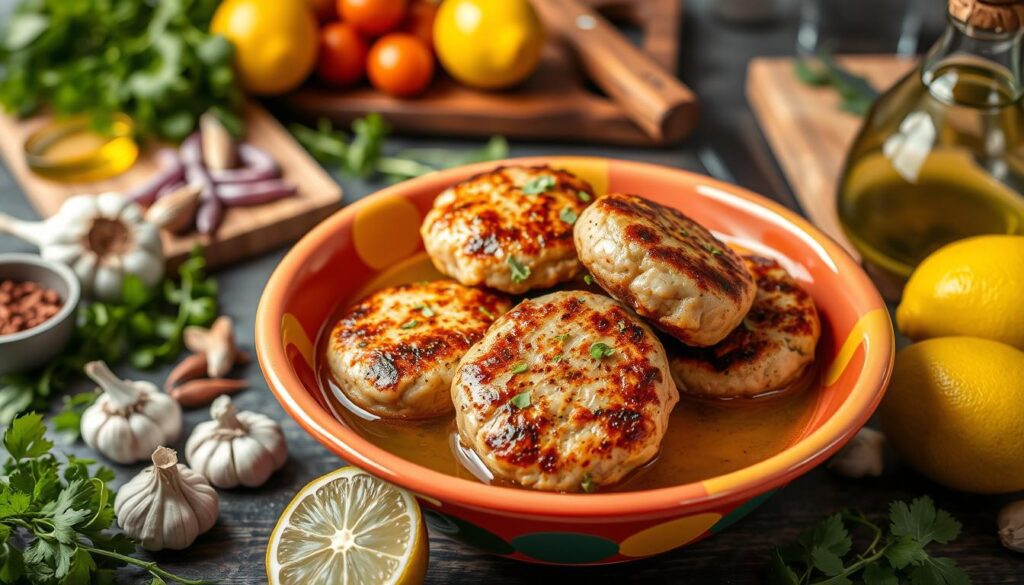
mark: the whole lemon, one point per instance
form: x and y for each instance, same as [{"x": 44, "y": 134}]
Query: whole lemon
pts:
[
  {"x": 275, "y": 42},
  {"x": 955, "y": 412},
  {"x": 489, "y": 44},
  {"x": 972, "y": 287}
]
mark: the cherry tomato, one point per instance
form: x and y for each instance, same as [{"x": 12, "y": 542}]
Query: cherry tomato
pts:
[
  {"x": 342, "y": 59},
  {"x": 372, "y": 17},
  {"x": 419, "y": 21},
  {"x": 400, "y": 65}
]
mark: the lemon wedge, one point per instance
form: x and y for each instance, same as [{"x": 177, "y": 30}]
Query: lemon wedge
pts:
[{"x": 349, "y": 528}]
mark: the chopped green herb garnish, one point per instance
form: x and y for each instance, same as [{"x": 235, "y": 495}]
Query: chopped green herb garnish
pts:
[
  {"x": 410, "y": 324},
  {"x": 519, "y": 272},
  {"x": 587, "y": 484},
  {"x": 712, "y": 249},
  {"x": 558, "y": 358},
  {"x": 601, "y": 350},
  {"x": 562, "y": 338},
  {"x": 538, "y": 185},
  {"x": 425, "y": 310},
  {"x": 587, "y": 278},
  {"x": 520, "y": 367},
  {"x": 486, "y": 312},
  {"x": 584, "y": 196},
  {"x": 824, "y": 553},
  {"x": 521, "y": 400},
  {"x": 568, "y": 215}
]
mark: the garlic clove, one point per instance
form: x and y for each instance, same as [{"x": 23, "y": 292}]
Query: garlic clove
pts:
[
  {"x": 149, "y": 268},
  {"x": 863, "y": 456},
  {"x": 1011, "y": 526},
  {"x": 147, "y": 236},
  {"x": 116, "y": 441},
  {"x": 132, "y": 213},
  {"x": 236, "y": 448},
  {"x": 110, "y": 204},
  {"x": 85, "y": 269},
  {"x": 253, "y": 463},
  {"x": 63, "y": 253},
  {"x": 107, "y": 284}
]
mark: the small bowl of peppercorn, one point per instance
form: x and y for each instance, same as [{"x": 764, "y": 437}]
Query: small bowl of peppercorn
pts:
[{"x": 38, "y": 299}]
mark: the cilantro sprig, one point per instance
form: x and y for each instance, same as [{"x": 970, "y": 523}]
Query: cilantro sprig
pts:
[
  {"x": 517, "y": 270},
  {"x": 146, "y": 327},
  {"x": 55, "y": 517},
  {"x": 539, "y": 185},
  {"x": 824, "y": 553}
]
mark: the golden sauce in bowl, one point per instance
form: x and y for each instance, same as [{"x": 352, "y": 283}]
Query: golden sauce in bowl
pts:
[{"x": 705, "y": 438}]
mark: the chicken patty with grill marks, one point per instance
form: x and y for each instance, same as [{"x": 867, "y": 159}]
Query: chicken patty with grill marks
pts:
[
  {"x": 395, "y": 352},
  {"x": 509, "y": 229},
  {"x": 566, "y": 392},
  {"x": 769, "y": 351},
  {"x": 665, "y": 266}
]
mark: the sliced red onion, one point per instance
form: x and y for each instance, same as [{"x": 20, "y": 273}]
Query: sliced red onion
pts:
[
  {"x": 191, "y": 150},
  {"x": 170, "y": 170},
  {"x": 255, "y": 193},
  {"x": 209, "y": 216},
  {"x": 169, "y": 188},
  {"x": 257, "y": 165}
]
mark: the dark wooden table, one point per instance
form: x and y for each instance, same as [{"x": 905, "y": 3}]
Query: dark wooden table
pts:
[{"x": 713, "y": 63}]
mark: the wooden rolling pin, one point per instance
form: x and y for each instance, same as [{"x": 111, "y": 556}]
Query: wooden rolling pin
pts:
[{"x": 654, "y": 98}]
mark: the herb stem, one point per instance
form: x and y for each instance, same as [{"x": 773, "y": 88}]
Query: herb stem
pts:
[{"x": 150, "y": 566}]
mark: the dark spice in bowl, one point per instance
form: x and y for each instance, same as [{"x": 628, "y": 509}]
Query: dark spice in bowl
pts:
[{"x": 26, "y": 304}]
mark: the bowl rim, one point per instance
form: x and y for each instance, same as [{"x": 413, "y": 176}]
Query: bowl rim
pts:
[
  {"x": 70, "y": 303},
  {"x": 741, "y": 484}
]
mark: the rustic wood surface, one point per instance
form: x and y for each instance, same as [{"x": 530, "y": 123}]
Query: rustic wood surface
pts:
[
  {"x": 246, "y": 231},
  {"x": 556, "y": 102},
  {"x": 808, "y": 132},
  {"x": 714, "y": 64}
]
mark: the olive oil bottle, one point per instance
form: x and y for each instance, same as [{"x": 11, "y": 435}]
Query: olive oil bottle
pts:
[{"x": 941, "y": 155}]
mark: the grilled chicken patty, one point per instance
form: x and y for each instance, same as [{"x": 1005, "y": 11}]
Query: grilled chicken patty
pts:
[
  {"x": 665, "y": 266},
  {"x": 395, "y": 352},
  {"x": 566, "y": 392},
  {"x": 509, "y": 229},
  {"x": 769, "y": 351}
]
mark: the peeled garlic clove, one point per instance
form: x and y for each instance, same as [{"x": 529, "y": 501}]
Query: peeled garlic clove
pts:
[
  {"x": 1011, "y": 526},
  {"x": 166, "y": 505},
  {"x": 863, "y": 456},
  {"x": 110, "y": 205}
]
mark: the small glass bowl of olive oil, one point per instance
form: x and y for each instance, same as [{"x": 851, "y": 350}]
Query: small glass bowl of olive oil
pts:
[{"x": 73, "y": 151}]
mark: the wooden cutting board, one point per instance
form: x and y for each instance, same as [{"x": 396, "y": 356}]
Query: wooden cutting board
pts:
[
  {"x": 246, "y": 231},
  {"x": 808, "y": 132},
  {"x": 556, "y": 102}
]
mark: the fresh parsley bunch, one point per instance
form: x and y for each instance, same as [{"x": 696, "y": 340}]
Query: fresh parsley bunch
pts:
[
  {"x": 152, "y": 60},
  {"x": 856, "y": 92},
  {"x": 55, "y": 517},
  {"x": 363, "y": 156},
  {"x": 824, "y": 555},
  {"x": 146, "y": 326}
]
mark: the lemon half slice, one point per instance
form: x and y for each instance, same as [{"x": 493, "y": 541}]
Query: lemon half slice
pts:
[{"x": 349, "y": 528}]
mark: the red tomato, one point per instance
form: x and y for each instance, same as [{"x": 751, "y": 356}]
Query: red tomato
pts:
[
  {"x": 400, "y": 65},
  {"x": 372, "y": 17},
  {"x": 342, "y": 59},
  {"x": 419, "y": 21}
]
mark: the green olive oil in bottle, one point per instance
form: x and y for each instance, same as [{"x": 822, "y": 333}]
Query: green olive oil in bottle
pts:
[{"x": 941, "y": 155}]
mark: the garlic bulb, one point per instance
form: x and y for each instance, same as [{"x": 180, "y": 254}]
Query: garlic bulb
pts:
[
  {"x": 862, "y": 457},
  {"x": 1011, "y": 526},
  {"x": 166, "y": 505},
  {"x": 130, "y": 419},
  {"x": 236, "y": 448},
  {"x": 102, "y": 238}
]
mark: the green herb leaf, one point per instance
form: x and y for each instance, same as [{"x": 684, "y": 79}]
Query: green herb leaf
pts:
[
  {"x": 557, "y": 358},
  {"x": 25, "y": 438},
  {"x": 568, "y": 215},
  {"x": 584, "y": 196},
  {"x": 588, "y": 279},
  {"x": 410, "y": 324},
  {"x": 521, "y": 400},
  {"x": 879, "y": 574},
  {"x": 487, "y": 312},
  {"x": 904, "y": 551},
  {"x": 587, "y": 484},
  {"x": 563, "y": 337},
  {"x": 519, "y": 368},
  {"x": 426, "y": 311},
  {"x": 856, "y": 92},
  {"x": 938, "y": 571},
  {"x": 922, "y": 522},
  {"x": 600, "y": 350},
  {"x": 539, "y": 185},
  {"x": 519, "y": 272}
]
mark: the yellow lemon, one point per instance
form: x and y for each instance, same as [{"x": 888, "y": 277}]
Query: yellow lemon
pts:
[
  {"x": 488, "y": 44},
  {"x": 973, "y": 287},
  {"x": 275, "y": 42},
  {"x": 955, "y": 412},
  {"x": 349, "y": 527}
]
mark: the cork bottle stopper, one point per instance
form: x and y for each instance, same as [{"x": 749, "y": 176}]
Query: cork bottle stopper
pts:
[{"x": 993, "y": 15}]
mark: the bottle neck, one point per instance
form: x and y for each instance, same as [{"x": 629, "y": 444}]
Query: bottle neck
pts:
[{"x": 965, "y": 46}]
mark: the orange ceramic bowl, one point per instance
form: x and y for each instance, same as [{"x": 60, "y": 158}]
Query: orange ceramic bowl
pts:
[{"x": 328, "y": 266}]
